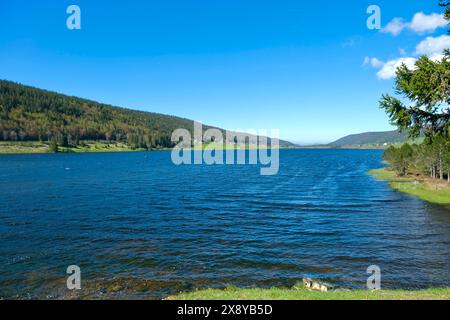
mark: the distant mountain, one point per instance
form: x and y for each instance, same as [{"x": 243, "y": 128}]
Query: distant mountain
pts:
[
  {"x": 32, "y": 114},
  {"x": 371, "y": 138}
]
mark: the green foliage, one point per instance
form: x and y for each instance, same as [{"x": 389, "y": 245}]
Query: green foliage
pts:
[
  {"x": 432, "y": 158},
  {"x": 30, "y": 114},
  {"x": 446, "y": 5},
  {"x": 400, "y": 158},
  {"x": 427, "y": 87},
  {"x": 54, "y": 146}
]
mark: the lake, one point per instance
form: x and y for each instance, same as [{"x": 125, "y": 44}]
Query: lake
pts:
[{"x": 140, "y": 227}]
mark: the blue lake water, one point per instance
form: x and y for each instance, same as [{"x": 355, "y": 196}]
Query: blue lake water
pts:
[{"x": 140, "y": 227}]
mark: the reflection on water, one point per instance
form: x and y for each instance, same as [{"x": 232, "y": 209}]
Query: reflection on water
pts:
[{"x": 138, "y": 226}]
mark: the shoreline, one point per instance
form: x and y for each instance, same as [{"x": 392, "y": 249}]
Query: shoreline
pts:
[
  {"x": 427, "y": 189},
  {"x": 299, "y": 292},
  {"x": 35, "y": 147}
]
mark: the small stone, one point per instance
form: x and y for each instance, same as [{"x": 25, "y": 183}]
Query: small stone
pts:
[{"x": 307, "y": 282}]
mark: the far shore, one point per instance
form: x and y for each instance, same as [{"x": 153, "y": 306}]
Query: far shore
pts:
[
  {"x": 363, "y": 147},
  {"x": 36, "y": 147}
]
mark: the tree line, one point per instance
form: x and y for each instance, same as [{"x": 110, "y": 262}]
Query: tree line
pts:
[
  {"x": 431, "y": 158},
  {"x": 31, "y": 114}
]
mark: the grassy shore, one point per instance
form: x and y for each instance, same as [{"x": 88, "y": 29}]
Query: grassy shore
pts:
[
  {"x": 30, "y": 147},
  {"x": 23, "y": 147},
  {"x": 426, "y": 189},
  {"x": 301, "y": 293}
]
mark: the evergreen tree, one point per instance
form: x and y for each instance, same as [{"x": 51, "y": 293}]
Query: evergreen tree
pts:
[
  {"x": 54, "y": 145},
  {"x": 427, "y": 87}
]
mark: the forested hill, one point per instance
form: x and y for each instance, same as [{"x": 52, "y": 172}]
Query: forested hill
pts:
[
  {"x": 371, "y": 138},
  {"x": 31, "y": 114}
]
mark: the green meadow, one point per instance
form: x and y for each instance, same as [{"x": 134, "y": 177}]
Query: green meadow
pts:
[
  {"x": 426, "y": 189},
  {"x": 300, "y": 293}
]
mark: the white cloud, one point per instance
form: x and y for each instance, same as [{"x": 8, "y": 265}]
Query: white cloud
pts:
[
  {"x": 421, "y": 23},
  {"x": 433, "y": 46},
  {"x": 395, "y": 27},
  {"x": 437, "y": 57},
  {"x": 373, "y": 62},
  {"x": 387, "y": 71}
]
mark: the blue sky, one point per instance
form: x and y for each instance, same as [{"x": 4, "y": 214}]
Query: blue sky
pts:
[{"x": 293, "y": 65}]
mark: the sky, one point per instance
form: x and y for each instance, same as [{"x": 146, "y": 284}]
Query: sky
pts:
[{"x": 312, "y": 69}]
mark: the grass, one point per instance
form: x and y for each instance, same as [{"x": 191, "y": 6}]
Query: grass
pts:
[
  {"x": 426, "y": 189},
  {"x": 301, "y": 293},
  {"x": 30, "y": 147},
  {"x": 22, "y": 147},
  {"x": 231, "y": 146},
  {"x": 102, "y": 147}
]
